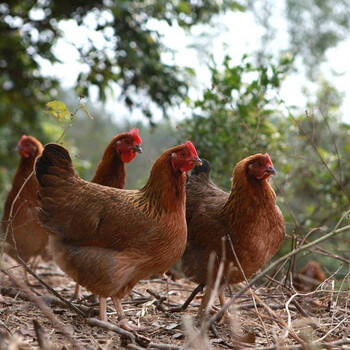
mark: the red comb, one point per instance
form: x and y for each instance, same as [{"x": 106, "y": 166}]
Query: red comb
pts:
[
  {"x": 22, "y": 138},
  {"x": 135, "y": 134},
  {"x": 191, "y": 147},
  {"x": 268, "y": 158}
]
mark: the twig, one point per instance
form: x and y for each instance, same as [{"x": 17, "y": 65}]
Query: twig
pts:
[
  {"x": 164, "y": 346},
  {"x": 334, "y": 144},
  {"x": 41, "y": 335},
  {"x": 279, "y": 319},
  {"x": 324, "y": 252},
  {"x": 94, "y": 322},
  {"x": 159, "y": 300},
  {"x": 254, "y": 305},
  {"x": 10, "y": 218},
  {"x": 246, "y": 280},
  {"x": 212, "y": 287},
  {"x": 315, "y": 149},
  {"x": 286, "y": 204},
  {"x": 49, "y": 288},
  {"x": 133, "y": 338},
  {"x": 329, "y": 345},
  {"x": 46, "y": 310},
  {"x": 331, "y": 330},
  {"x": 217, "y": 335},
  {"x": 291, "y": 264},
  {"x": 184, "y": 306},
  {"x": 274, "y": 264},
  {"x": 155, "y": 295},
  {"x": 288, "y": 312}
]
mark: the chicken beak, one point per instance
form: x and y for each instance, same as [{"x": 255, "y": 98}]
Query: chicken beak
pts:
[
  {"x": 196, "y": 161},
  {"x": 271, "y": 171},
  {"x": 137, "y": 149}
]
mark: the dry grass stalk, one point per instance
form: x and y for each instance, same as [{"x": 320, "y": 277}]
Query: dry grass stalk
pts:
[
  {"x": 44, "y": 308},
  {"x": 259, "y": 276}
]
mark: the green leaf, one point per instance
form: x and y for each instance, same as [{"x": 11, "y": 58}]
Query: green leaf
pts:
[{"x": 58, "y": 109}]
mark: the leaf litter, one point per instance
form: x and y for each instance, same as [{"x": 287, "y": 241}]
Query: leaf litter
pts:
[{"x": 318, "y": 317}]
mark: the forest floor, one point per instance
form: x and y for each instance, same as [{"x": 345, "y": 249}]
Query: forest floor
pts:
[{"x": 275, "y": 318}]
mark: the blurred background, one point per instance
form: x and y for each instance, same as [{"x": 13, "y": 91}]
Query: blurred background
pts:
[{"x": 235, "y": 77}]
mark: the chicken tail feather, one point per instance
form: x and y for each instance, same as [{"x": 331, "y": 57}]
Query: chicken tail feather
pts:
[{"x": 54, "y": 155}]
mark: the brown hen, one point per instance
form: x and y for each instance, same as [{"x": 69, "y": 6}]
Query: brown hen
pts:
[
  {"x": 24, "y": 231},
  {"x": 122, "y": 149},
  {"x": 309, "y": 277},
  {"x": 247, "y": 217},
  {"x": 107, "y": 239},
  {"x": 111, "y": 169}
]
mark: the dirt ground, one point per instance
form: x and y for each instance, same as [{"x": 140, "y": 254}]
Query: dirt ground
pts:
[{"x": 321, "y": 317}]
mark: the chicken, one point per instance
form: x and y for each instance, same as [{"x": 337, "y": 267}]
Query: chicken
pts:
[
  {"x": 30, "y": 238},
  {"x": 107, "y": 239},
  {"x": 309, "y": 277},
  {"x": 247, "y": 217},
  {"x": 111, "y": 169},
  {"x": 122, "y": 149}
]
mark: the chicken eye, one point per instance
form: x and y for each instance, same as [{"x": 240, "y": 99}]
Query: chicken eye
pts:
[
  {"x": 259, "y": 164},
  {"x": 183, "y": 154},
  {"x": 127, "y": 141}
]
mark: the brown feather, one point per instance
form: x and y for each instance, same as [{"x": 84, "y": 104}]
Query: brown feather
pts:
[
  {"x": 31, "y": 239},
  {"x": 309, "y": 277},
  {"x": 106, "y": 238},
  {"x": 111, "y": 169},
  {"x": 248, "y": 215}
]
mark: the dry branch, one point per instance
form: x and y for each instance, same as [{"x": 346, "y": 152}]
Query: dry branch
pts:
[
  {"x": 279, "y": 261},
  {"x": 45, "y": 309},
  {"x": 328, "y": 345}
]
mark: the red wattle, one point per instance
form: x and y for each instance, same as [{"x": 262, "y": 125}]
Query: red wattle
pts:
[{"x": 128, "y": 156}]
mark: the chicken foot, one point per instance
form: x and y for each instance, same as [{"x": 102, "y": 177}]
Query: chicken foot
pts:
[
  {"x": 123, "y": 322},
  {"x": 33, "y": 265},
  {"x": 226, "y": 317},
  {"x": 76, "y": 294}
]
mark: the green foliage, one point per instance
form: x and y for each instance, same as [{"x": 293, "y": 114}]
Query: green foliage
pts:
[
  {"x": 131, "y": 56},
  {"x": 241, "y": 115},
  {"x": 58, "y": 109},
  {"x": 312, "y": 26},
  {"x": 87, "y": 139},
  {"x": 235, "y": 117},
  {"x": 316, "y": 26}
]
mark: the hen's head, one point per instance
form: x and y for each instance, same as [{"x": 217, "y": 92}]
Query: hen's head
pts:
[
  {"x": 29, "y": 146},
  {"x": 128, "y": 144},
  {"x": 259, "y": 166},
  {"x": 185, "y": 157},
  {"x": 311, "y": 269}
]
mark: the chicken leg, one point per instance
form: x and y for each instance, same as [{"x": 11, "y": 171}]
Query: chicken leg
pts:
[
  {"x": 103, "y": 309},
  {"x": 226, "y": 317},
  {"x": 76, "y": 295},
  {"x": 123, "y": 322}
]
